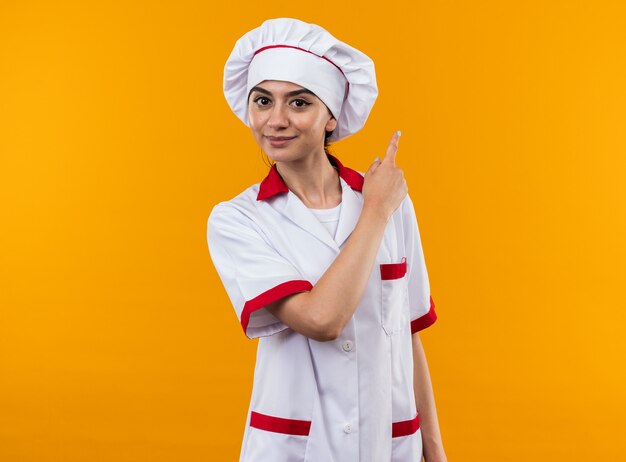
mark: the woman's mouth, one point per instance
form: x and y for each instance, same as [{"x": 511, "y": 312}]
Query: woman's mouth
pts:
[{"x": 279, "y": 141}]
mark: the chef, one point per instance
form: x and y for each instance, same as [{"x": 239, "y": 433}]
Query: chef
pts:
[{"x": 323, "y": 263}]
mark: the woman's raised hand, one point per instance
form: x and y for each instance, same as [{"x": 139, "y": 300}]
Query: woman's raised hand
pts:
[{"x": 384, "y": 186}]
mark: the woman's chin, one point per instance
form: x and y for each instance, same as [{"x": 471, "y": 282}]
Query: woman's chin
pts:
[{"x": 280, "y": 154}]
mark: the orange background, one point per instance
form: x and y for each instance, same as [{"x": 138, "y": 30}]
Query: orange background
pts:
[{"x": 117, "y": 340}]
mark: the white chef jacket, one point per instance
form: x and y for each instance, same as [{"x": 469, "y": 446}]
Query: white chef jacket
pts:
[{"x": 349, "y": 399}]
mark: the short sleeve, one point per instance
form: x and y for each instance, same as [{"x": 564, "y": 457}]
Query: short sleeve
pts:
[
  {"x": 422, "y": 307},
  {"x": 253, "y": 273}
]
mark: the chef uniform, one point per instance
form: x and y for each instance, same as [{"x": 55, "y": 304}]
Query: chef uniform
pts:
[{"x": 352, "y": 398}]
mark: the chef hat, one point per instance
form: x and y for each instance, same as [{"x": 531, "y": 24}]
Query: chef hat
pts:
[{"x": 291, "y": 50}]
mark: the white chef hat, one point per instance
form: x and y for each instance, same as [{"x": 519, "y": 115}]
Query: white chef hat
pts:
[{"x": 291, "y": 50}]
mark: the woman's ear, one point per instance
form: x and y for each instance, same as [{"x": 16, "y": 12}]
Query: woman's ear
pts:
[{"x": 331, "y": 124}]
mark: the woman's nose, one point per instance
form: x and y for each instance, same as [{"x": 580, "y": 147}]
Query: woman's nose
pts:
[{"x": 278, "y": 117}]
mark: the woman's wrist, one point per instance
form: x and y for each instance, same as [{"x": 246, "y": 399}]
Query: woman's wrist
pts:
[
  {"x": 433, "y": 450},
  {"x": 375, "y": 211},
  {"x": 435, "y": 454}
]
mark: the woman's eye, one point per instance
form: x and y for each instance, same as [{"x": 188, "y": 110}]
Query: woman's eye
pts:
[
  {"x": 300, "y": 103},
  {"x": 262, "y": 101}
]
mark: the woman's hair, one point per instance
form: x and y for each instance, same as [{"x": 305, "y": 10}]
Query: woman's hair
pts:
[{"x": 327, "y": 143}]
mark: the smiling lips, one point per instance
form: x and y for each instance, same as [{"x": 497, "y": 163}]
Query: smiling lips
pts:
[{"x": 278, "y": 141}]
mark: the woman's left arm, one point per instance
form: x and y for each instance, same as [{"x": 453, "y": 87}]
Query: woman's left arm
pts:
[{"x": 425, "y": 402}]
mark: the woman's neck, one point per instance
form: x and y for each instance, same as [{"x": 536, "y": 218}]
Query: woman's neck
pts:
[{"x": 313, "y": 179}]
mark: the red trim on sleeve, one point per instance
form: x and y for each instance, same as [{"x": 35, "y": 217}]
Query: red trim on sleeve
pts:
[
  {"x": 426, "y": 320},
  {"x": 280, "y": 425},
  {"x": 405, "y": 428},
  {"x": 271, "y": 295},
  {"x": 393, "y": 270}
]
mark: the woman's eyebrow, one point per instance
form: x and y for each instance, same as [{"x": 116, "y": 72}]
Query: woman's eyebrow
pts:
[
  {"x": 300, "y": 92},
  {"x": 261, "y": 90}
]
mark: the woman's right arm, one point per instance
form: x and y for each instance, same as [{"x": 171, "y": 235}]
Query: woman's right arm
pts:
[{"x": 322, "y": 313}]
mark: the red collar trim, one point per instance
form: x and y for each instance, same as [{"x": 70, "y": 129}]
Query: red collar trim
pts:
[{"x": 274, "y": 184}]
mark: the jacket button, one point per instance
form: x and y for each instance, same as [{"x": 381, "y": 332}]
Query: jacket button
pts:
[
  {"x": 347, "y": 428},
  {"x": 347, "y": 345}
]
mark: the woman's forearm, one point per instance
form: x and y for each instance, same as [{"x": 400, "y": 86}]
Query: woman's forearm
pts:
[
  {"x": 425, "y": 403},
  {"x": 323, "y": 312},
  {"x": 337, "y": 293}
]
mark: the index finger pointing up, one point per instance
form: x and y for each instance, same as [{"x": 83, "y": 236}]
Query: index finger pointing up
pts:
[{"x": 392, "y": 148}]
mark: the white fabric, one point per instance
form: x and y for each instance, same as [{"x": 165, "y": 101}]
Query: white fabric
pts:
[
  {"x": 308, "y": 70},
  {"x": 329, "y": 218},
  {"x": 356, "y": 68},
  {"x": 364, "y": 378}
]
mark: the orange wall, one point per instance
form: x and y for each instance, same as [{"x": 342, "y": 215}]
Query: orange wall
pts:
[{"x": 117, "y": 340}]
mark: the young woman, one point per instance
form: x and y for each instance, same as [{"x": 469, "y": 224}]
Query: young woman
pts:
[{"x": 324, "y": 263}]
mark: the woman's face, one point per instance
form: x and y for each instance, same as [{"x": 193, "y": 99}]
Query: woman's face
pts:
[{"x": 288, "y": 121}]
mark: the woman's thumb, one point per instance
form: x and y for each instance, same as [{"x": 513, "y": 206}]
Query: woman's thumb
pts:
[{"x": 374, "y": 165}]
